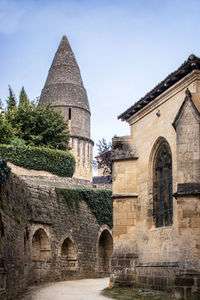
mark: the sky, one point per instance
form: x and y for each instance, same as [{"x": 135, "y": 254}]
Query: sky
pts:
[{"x": 123, "y": 48}]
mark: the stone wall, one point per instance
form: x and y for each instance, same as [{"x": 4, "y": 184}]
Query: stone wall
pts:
[
  {"x": 82, "y": 149},
  {"x": 143, "y": 253},
  {"x": 42, "y": 239},
  {"x": 102, "y": 182}
]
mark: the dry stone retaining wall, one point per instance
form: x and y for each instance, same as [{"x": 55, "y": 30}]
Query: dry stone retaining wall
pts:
[{"x": 42, "y": 239}]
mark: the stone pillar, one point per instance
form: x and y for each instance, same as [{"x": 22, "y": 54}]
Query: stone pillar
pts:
[
  {"x": 123, "y": 262},
  {"x": 187, "y": 126}
]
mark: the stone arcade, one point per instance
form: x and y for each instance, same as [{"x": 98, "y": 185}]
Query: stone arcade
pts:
[
  {"x": 41, "y": 239},
  {"x": 156, "y": 188}
]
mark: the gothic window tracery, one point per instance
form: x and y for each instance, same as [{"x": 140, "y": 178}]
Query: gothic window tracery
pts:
[{"x": 162, "y": 186}]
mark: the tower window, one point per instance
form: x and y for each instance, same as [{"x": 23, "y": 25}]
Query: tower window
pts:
[
  {"x": 70, "y": 114},
  {"x": 162, "y": 186}
]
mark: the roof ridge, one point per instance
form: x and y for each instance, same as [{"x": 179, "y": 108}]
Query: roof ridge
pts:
[{"x": 192, "y": 63}]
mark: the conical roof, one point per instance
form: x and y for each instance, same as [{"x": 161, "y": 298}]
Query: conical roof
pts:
[{"x": 64, "y": 85}]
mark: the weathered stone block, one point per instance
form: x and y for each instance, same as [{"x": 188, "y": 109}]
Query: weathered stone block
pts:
[
  {"x": 124, "y": 262},
  {"x": 113, "y": 262}
]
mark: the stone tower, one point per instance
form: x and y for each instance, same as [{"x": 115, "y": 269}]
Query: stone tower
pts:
[{"x": 65, "y": 91}]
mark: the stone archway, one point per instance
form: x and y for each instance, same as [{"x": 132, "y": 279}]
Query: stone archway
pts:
[
  {"x": 105, "y": 249},
  {"x": 68, "y": 255},
  {"x": 41, "y": 248}
]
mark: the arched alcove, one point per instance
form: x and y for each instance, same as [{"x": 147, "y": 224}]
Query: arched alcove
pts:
[
  {"x": 69, "y": 254},
  {"x": 105, "y": 249},
  {"x": 41, "y": 248}
]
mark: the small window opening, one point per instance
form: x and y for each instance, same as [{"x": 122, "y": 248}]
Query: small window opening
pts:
[{"x": 70, "y": 114}]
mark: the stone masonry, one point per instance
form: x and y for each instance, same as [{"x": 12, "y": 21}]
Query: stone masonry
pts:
[
  {"x": 65, "y": 92},
  {"x": 156, "y": 188},
  {"x": 41, "y": 239}
]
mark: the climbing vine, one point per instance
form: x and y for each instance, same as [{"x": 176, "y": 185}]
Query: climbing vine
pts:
[
  {"x": 99, "y": 202},
  {"x": 61, "y": 163},
  {"x": 4, "y": 171}
]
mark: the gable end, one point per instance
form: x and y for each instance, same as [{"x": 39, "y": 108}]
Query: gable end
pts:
[{"x": 196, "y": 113}]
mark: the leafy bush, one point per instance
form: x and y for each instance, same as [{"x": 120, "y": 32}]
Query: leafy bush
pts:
[
  {"x": 99, "y": 202},
  {"x": 17, "y": 142},
  {"x": 58, "y": 162},
  {"x": 4, "y": 171},
  {"x": 6, "y": 130},
  {"x": 38, "y": 125}
]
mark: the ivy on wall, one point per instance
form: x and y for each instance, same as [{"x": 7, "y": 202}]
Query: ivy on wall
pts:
[
  {"x": 99, "y": 202},
  {"x": 61, "y": 163},
  {"x": 4, "y": 171}
]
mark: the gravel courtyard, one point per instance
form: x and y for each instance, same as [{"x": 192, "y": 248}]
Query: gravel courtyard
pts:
[{"x": 85, "y": 289}]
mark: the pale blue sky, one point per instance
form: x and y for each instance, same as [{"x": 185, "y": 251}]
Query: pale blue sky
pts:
[{"x": 123, "y": 48}]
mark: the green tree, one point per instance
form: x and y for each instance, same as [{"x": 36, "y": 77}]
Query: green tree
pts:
[
  {"x": 36, "y": 125},
  {"x": 11, "y": 101},
  {"x": 23, "y": 99},
  {"x": 1, "y": 105},
  {"x": 11, "y": 105},
  {"x": 103, "y": 160},
  {"x": 6, "y": 131},
  {"x": 41, "y": 126},
  {"x": 49, "y": 128}
]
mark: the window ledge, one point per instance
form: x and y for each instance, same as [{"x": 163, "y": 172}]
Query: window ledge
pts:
[{"x": 162, "y": 228}]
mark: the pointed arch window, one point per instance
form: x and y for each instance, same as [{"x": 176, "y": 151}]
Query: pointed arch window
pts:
[{"x": 162, "y": 186}]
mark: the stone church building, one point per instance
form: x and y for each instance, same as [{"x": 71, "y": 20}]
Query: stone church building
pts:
[{"x": 156, "y": 188}]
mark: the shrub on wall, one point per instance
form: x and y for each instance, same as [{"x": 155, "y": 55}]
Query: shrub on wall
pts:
[
  {"x": 4, "y": 171},
  {"x": 99, "y": 202},
  {"x": 58, "y": 162}
]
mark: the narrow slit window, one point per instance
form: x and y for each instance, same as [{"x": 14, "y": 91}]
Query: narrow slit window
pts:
[{"x": 70, "y": 114}]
